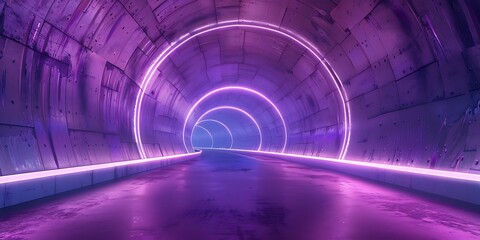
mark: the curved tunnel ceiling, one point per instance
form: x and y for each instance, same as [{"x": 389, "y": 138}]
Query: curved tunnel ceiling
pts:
[
  {"x": 394, "y": 82},
  {"x": 235, "y": 48}
]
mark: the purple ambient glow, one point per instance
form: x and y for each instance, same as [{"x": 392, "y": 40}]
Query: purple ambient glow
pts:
[
  {"x": 245, "y": 24},
  {"x": 225, "y": 126},
  {"x": 237, "y": 88},
  {"x": 404, "y": 169},
  {"x": 72, "y": 170},
  {"x": 235, "y": 109},
  {"x": 209, "y": 134}
]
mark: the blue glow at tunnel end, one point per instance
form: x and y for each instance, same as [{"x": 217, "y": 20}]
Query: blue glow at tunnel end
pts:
[
  {"x": 235, "y": 109},
  {"x": 237, "y": 88},
  {"x": 221, "y": 124},
  {"x": 208, "y": 133}
]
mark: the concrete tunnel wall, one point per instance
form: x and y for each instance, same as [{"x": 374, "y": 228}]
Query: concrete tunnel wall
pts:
[{"x": 71, "y": 71}]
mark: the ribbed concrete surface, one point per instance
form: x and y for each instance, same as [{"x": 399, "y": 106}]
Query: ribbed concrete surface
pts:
[{"x": 228, "y": 196}]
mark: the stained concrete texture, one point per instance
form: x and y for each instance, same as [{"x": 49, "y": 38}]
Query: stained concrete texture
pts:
[{"x": 228, "y": 196}]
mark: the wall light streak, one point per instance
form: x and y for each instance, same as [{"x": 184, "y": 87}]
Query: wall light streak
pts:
[
  {"x": 221, "y": 123},
  {"x": 403, "y": 169},
  {"x": 260, "y": 134},
  {"x": 65, "y": 171},
  {"x": 245, "y": 24},
  {"x": 208, "y": 132}
]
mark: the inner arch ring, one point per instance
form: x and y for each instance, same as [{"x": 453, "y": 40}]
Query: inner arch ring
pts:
[
  {"x": 222, "y": 124},
  {"x": 208, "y": 132},
  {"x": 260, "y": 134},
  {"x": 236, "y": 88}
]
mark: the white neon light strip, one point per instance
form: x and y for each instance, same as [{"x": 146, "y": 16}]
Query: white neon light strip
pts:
[
  {"x": 73, "y": 170},
  {"x": 238, "y": 110},
  {"x": 403, "y": 169},
  {"x": 245, "y": 24},
  {"x": 237, "y": 88},
  {"x": 208, "y": 132},
  {"x": 222, "y": 124}
]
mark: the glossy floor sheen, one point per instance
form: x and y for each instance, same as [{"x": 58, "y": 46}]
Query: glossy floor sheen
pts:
[{"x": 228, "y": 196}]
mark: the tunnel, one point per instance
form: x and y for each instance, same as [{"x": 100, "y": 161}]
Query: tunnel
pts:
[{"x": 378, "y": 95}]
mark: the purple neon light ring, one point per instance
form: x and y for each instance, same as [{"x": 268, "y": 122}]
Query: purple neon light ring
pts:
[
  {"x": 245, "y": 24},
  {"x": 238, "y": 110},
  {"x": 221, "y": 124}
]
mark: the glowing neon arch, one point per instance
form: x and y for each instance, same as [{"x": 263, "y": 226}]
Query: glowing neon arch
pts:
[
  {"x": 245, "y": 24},
  {"x": 208, "y": 132},
  {"x": 235, "y": 88},
  {"x": 238, "y": 110},
  {"x": 222, "y": 124}
]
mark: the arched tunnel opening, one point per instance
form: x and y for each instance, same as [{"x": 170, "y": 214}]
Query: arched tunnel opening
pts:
[{"x": 388, "y": 90}]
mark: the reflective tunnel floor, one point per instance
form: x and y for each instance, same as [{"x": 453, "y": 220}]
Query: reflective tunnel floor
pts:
[{"x": 228, "y": 196}]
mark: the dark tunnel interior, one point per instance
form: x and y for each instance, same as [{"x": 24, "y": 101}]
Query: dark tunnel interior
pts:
[
  {"x": 88, "y": 82},
  {"x": 95, "y": 90}
]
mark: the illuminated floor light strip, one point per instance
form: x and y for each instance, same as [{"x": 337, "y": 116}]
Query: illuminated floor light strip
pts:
[
  {"x": 237, "y": 88},
  {"x": 65, "y": 171},
  {"x": 245, "y": 24},
  {"x": 222, "y": 124},
  {"x": 208, "y": 132},
  {"x": 403, "y": 169},
  {"x": 238, "y": 110}
]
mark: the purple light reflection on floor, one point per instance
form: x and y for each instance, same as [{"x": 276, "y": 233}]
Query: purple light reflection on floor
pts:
[{"x": 228, "y": 196}]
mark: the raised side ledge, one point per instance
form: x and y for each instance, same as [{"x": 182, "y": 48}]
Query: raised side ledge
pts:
[
  {"x": 20, "y": 188},
  {"x": 459, "y": 189}
]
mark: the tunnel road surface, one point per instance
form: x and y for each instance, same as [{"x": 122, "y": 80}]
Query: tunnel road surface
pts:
[{"x": 224, "y": 195}]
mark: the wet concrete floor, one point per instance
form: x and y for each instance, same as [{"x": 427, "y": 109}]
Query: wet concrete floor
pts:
[{"x": 228, "y": 196}]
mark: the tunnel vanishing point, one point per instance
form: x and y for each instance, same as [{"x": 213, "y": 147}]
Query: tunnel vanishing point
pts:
[{"x": 387, "y": 90}]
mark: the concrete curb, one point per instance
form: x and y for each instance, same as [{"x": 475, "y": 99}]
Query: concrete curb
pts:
[
  {"x": 14, "y": 193},
  {"x": 463, "y": 190}
]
